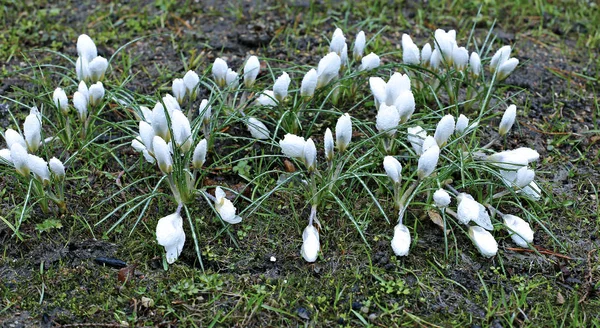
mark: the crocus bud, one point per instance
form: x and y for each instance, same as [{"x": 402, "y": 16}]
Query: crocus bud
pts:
[
  {"x": 460, "y": 58},
  {"x": 343, "y": 132},
  {"x": 280, "y": 88},
  {"x": 32, "y": 129},
  {"x": 60, "y": 100},
  {"x": 359, "y": 45},
  {"x": 219, "y": 71},
  {"x": 80, "y": 102},
  {"x": 444, "y": 130},
  {"x": 179, "y": 89},
  {"x": 147, "y": 135},
  {"x": 97, "y": 68},
  {"x": 20, "y": 159},
  {"x": 428, "y": 161},
  {"x": 309, "y": 84},
  {"x": 82, "y": 69},
  {"x": 328, "y": 145},
  {"x": 426, "y": 55},
  {"x": 251, "y": 70},
  {"x": 205, "y": 111},
  {"x": 191, "y": 80},
  {"x": 506, "y": 68},
  {"x": 182, "y": 132},
  {"x": 441, "y": 198},
  {"x": 232, "y": 79},
  {"x": 410, "y": 51},
  {"x": 292, "y": 146},
  {"x": 520, "y": 230},
  {"x": 57, "y": 168},
  {"x": 310, "y": 244},
  {"x": 393, "y": 168},
  {"x": 199, "y": 156},
  {"x": 475, "y": 64},
  {"x": 435, "y": 61},
  {"x": 379, "y": 90},
  {"x": 170, "y": 235},
  {"x": 171, "y": 104},
  {"x": 396, "y": 86},
  {"x": 86, "y": 48},
  {"x": 461, "y": 124},
  {"x": 83, "y": 88},
  {"x": 428, "y": 142},
  {"x": 225, "y": 207},
  {"x": 416, "y": 135},
  {"x": 13, "y": 137},
  {"x": 337, "y": 42},
  {"x": 310, "y": 155},
  {"x": 344, "y": 55},
  {"x": 471, "y": 210},
  {"x": 257, "y": 129},
  {"x": 484, "y": 241},
  {"x": 508, "y": 119},
  {"x": 162, "y": 155},
  {"x": 96, "y": 94},
  {"x": 500, "y": 57},
  {"x": 401, "y": 240},
  {"x": 39, "y": 168},
  {"x": 405, "y": 104},
  {"x": 267, "y": 98},
  {"x": 5, "y": 155},
  {"x": 387, "y": 119},
  {"x": 159, "y": 122},
  {"x": 369, "y": 62},
  {"x": 328, "y": 69}
]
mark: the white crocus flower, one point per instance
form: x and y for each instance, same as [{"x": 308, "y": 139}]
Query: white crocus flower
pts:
[
  {"x": 20, "y": 159},
  {"x": 147, "y": 135},
  {"x": 182, "y": 132},
  {"x": 280, "y": 88},
  {"x": 232, "y": 79},
  {"x": 533, "y": 191},
  {"x": 5, "y": 155},
  {"x": 96, "y": 93},
  {"x": 258, "y": 129},
  {"x": 57, "y": 168},
  {"x": 426, "y": 55},
  {"x": 435, "y": 61},
  {"x": 405, "y": 104},
  {"x": 267, "y": 98},
  {"x": 460, "y": 58},
  {"x": 396, "y": 87},
  {"x": 428, "y": 161},
  {"x": 60, "y": 100},
  {"x": 428, "y": 142},
  {"x": 441, "y": 198},
  {"x": 82, "y": 69},
  {"x": 292, "y": 146},
  {"x": 506, "y": 68},
  {"x": 225, "y": 207},
  {"x": 343, "y": 132},
  {"x": 328, "y": 141},
  {"x": 328, "y": 69},
  {"x": 191, "y": 80},
  {"x": 199, "y": 155},
  {"x": 83, "y": 88},
  {"x": 310, "y": 155},
  {"x": 444, "y": 130},
  {"x": 170, "y": 235},
  {"x": 521, "y": 232},
  {"x": 388, "y": 119},
  {"x": 416, "y": 136},
  {"x": 410, "y": 51},
  {"x": 32, "y": 129},
  {"x": 251, "y": 70},
  {"x": 162, "y": 155},
  {"x": 508, "y": 119},
  {"x": 359, "y": 45},
  {"x": 401, "y": 240},
  {"x": 160, "y": 123},
  {"x": 219, "y": 71},
  {"x": 39, "y": 167},
  {"x": 461, "y": 124},
  {"x": 445, "y": 43},
  {"x": 80, "y": 102},
  {"x": 337, "y": 42},
  {"x": 13, "y": 137},
  {"x": 344, "y": 55},
  {"x": 471, "y": 210},
  {"x": 97, "y": 67},
  {"x": 369, "y": 62},
  {"x": 484, "y": 241},
  {"x": 205, "y": 111},
  {"x": 179, "y": 89},
  {"x": 393, "y": 168},
  {"x": 500, "y": 57},
  {"x": 171, "y": 104},
  {"x": 310, "y": 244},
  {"x": 86, "y": 48},
  {"x": 475, "y": 64},
  {"x": 309, "y": 84}
]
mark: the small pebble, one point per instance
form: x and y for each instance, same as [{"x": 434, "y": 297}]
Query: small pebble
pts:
[{"x": 273, "y": 259}]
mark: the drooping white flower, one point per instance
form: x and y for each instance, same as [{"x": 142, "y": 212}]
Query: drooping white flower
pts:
[
  {"x": 292, "y": 146},
  {"x": 310, "y": 244},
  {"x": 258, "y": 129},
  {"x": 519, "y": 230},
  {"x": 369, "y": 62},
  {"x": 13, "y": 137},
  {"x": 182, "y": 131},
  {"x": 225, "y": 207},
  {"x": 514, "y": 159},
  {"x": 405, "y": 104},
  {"x": 80, "y": 102},
  {"x": 508, "y": 119},
  {"x": 280, "y": 88},
  {"x": 191, "y": 80},
  {"x": 471, "y": 210},
  {"x": 475, "y": 64},
  {"x": 309, "y": 83},
  {"x": 199, "y": 155},
  {"x": 426, "y": 55},
  {"x": 428, "y": 161},
  {"x": 441, "y": 198},
  {"x": 97, "y": 67},
  {"x": 205, "y": 111},
  {"x": 416, "y": 135},
  {"x": 162, "y": 155},
  {"x": 484, "y": 241},
  {"x": 170, "y": 235},
  {"x": 393, "y": 168},
  {"x": 444, "y": 130},
  {"x": 359, "y": 46},
  {"x": 232, "y": 79},
  {"x": 251, "y": 70},
  {"x": 337, "y": 42},
  {"x": 267, "y": 98},
  {"x": 39, "y": 167},
  {"x": 20, "y": 159},
  {"x": 401, "y": 240},
  {"x": 179, "y": 89},
  {"x": 460, "y": 58},
  {"x": 328, "y": 140},
  {"x": 96, "y": 93},
  {"x": 506, "y": 68},
  {"x": 57, "y": 168},
  {"x": 310, "y": 155},
  {"x": 410, "y": 52},
  {"x": 343, "y": 132},
  {"x": 461, "y": 124},
  {"x": 60, "y": 100},
  {"x": 388, "y": 119},
  {"x": 32, "y": 129},
  {"x": 328, "y": 69},
  {"x": 86, "y": 48},
  {"x": 219, "y": 71}
]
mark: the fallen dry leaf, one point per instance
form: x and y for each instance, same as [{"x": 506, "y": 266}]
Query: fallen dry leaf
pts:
[{"x": 437, "y": 219}]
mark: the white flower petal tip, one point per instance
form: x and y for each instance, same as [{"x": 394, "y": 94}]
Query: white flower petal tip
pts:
[
  {"x": 508, "y": 119},
  {"x": 170, "y": 235},
  {"x": 521, "y": 232},
  {"x": 292, "y": 146},
  {"x": 401, "y": 241},
  {"x": 444, "y": 130},
  {"x": 484, "y": 241},
  {"x": 310, "y": 244}
]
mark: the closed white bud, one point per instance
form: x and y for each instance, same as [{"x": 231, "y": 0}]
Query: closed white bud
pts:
[
  {"x": 387, "y": 119},
  {"x": 86, "y": 48},
  {"x": 484, "y": 241},
  {"x": 428, "y": 161},
  {"x": 475, "y": 64},
  {"x": 410, "y": 51},
  {"x": 460, "y": 58},
  {"x": 162, "y": 155},
  {"x": 416, "y": 135},
  {"x": 310, "y": 244},
  {"x": 39, "y": 167},
  {"x": 219, "y": 71},
  {"x": 393, "y": 168},
  {"x": 182, "y": 132},
  {"x": 506, "y": 68},
  {"x": 405, "y": 104},
  {"x": 20, "y": 159},
  {"x": 96, "y": 93},
  {"x": 83, "y": 88},
  {"x": 32, "y": 129},
  {"x": 170, "y": 235},
  {"x": 225, "y": 207},
  {"x": 328, "y": 145},
  {"x": 359, "y": 46},
  {"x": 159, "y": 122},
  {"x": 80, "y": 102},
  {"x": 426, "y": 55},
  {"x": 258, "y": 129},
  {"x": 171, "y": 104},
  {"x": 309, "y": 84},
  {"x": 441, "y": 198},
  {"x": 310, "y": 155},
  {"x": 97, "y": 68},
  {"x": 435, "y": 61},
  {"x": 13, "y": 137},
  {"x": 280, "y": 88},
  {"x": 369, "y": 62},
  {"x": 444, "y": 130},
  {"x": 396, "y": 86},
  {"x": 379, "y": 90},
  {"x": 60, "y": 100},
  {"x": 57, "y": 168},
  {"x": 328, "y": 69},
  {"x": 337, "y": 42},
  {"x": 292, "y": 146},
  {"x": 508, "y": 119},
  {"x": 519, "y": 230},
  {"x": 179, "y": 89},
  {"x": 199, "y": 156},
  {"x": 191, "y": 80},
  {"x": 205, "y": 111},
  {"x": 82, "y": 69},
  {"x": 401, "y": 240},
  {"x": 428, "y": 142},
  {"x": 251, "y": 70},
  {"x": 232, "y": 79},
  {"x": 343, "y": 132},
  {"x": 461, "y": 124}
]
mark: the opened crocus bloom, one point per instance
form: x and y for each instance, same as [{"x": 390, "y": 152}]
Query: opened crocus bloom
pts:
[
  {"x": 225, "y": 207},
  {"x": 170, "y": 235},
  {"x": 471, "y": 210},
  {"x": 310, "y": 244}
]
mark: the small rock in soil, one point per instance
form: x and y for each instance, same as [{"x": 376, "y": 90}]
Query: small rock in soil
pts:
[{"x": 303, "y": 313}]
